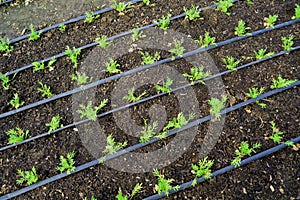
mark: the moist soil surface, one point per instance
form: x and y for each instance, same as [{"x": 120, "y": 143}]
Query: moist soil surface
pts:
[{"x": 276, "y": 176}]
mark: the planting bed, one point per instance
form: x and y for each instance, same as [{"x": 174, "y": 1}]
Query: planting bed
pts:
[{"x": 274, "y": 176}]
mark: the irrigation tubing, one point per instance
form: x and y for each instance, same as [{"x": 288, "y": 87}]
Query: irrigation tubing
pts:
[
  {"x": 140, "y": 145},
  {"x": 226, "y": 169},
  {"x": 5, "y": 2},
  {"x": 147, "y": 99},
  {"x": 144, "y": 67}
]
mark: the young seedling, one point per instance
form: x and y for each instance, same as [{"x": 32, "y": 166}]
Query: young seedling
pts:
[
  {"x": 91, "y": 112},
  {"x": 192, "y": 13},
  {"x": 112, "y": 146},
  {"x": 102, "y": 41},
  {"x": 121, "y": 7},
  {"x": 80, "y": 78},
  {"x": 206, "y": 40},
  {"x": 297, "y": 12},
  {"x": 163, "y": 22},
  {"x": 29, "y": 177},
  {"x": 73, "y": 55},
  {"x": 249, "y": 2},
  {"x": 178, "y": 50},
  {"x": 54, "y": 124},
  {"x": 16, "y": 135},
  {"x": 136, "y": 35},
  {"x": 270, "y": 21},
  {"x": 260, "y": 54},
  {"x": 90, "y": 17},
  {"x": 202, "y": 169},
  {"x": 241, "y": 29},
  {"x": 67, "y": 164},
  {"x": 255, "y": 92},
  {"x": 45, "y": 90},
  {"x": 4, "y": 45},
  {"x": 243, "y": 151},
  {"x": 137, "y": 188},
  {"x": 148, "y": 132},
  {"x": 179, "y": 121},
  {"x": 5, "y": 80},
  {"x": 131, "y": 97},
  {"x": 112, "y": 67},
  {"x": 165, "y": 87},
  {"x": 197, "y": 73},
  {"x": 62, "y": 28},
  {"x": 230, "y": 62},
  {"x": 37, "y": 66},
  {"x": 147, "y": 59},
  {"x": 217, "y": 105},
  {"x": 278, "y": 135},
  {"x": 33, "y": 35},
  {"x": 163, "y": 185},
  {"x": 287, "y": 42},
  {"x": 15, "y": 102},
  {"x": 281, "y": 82},
  {"x": 224, "y": 5},
  {"x": 50, "y": 64},
  {"x": 147, "y": 2}
]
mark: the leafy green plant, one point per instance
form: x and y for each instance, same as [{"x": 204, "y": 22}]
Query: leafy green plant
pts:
[
  {"x": 297, "y": 12},
  {"x": 102, "y": 41},
  {"x": 62, "y": 28},
  {"x": 147, "y": 2},
  {"x": 89, "y": 111},
  {"x": 202, "y": 169},
  {"x": 287, "y": 42},
  {"x": 244, "y": 150},
  {"x": 148, "y": 132},
  {"x": 281, "y": 82},
  {"x": 37, "y": 66},
  {"x": 16, "y": 135},
  {"x": 45, "y": 90},
  {"x": 90, "y": 17},
  {"x": 163, "y": 185},
  {"x": 137, "y": 188},
  {"x": 112, "y": 67},
  {"x": 136, "y": 34},
  {"x": 179, "y": 121},
  {"x": 241, "y": 28},
  {"x": 270, "y": 21},
  {"x": 255, "y": 92},
  {"x": 131, "y": 97},
  {"x": 178, "y": 50},
  {"x": 260, "y": 54},
  {"x": 147, "y": 59},
  {"x": 196, "y": 74},
  {"x": 278, "y": 135},
  {"x": 217, "y": 105},
  {"x": 249, "y": 2},
  {"x": 4, "y": 45},
  {"x": 15, "y": 102},
  {"x": 206, "y": 40},
  {"x": 230, "y": 62},
  {"x": 67, "y": 164},
  {"x": 80, "y": 78},
  {"x": 121, "y": 7},
  {"x": 29, "y": 177},
  {"x": 163, "y": 22},
  {"x": 224, "y": 5},
  {"x": 54, "y": 124},
  {"x": 165, "y": 87},
  {"x": 192, "y": 13},
  {"x": 33, "y": 35},
  {"x": 73, "y": 55},
  {"x": 112, "y": 146},
  {"x": 5, "y": 80}
]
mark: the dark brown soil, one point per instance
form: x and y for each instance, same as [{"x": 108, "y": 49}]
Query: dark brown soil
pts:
[{"x": 274, "y": 177}]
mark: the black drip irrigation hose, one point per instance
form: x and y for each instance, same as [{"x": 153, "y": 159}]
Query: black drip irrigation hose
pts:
[
  {"x": 225, "y": 169},
  {"x": 147, "y": 99},
  {"x": 144, "y": 67},
  {"x": 5, "y": 2},
  {"x": 140, "y": 145}
]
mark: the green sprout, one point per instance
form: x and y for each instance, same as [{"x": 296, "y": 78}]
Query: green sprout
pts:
[
  {"x": 90, "y": 17},
  {"x": 165, "y": 87},
  {"x": 121, "y": 7},
  {"x": 147, "y": 2},
  {"x": 297, "y": 12},
  {"x": 131, "y": 97},
  {"x": 34, "y": 35},
  {"x": 241, "y": 29},
  {"x": 148, "y": 131},
  {"x": 287, "y": 42},
  {"x": 62, "y": 28},
  {"x": 72, "y": 55},
  {"x": 28, "y": 176},
  {"x": 202, "y": 169},
  {"x": 112, "y": 146},
  {"x": 230, "y": 62},
  {"x": 91, "y": 112},
  {"x": 147, "y": 59},
  {"x": 196, "y": 74},
  {"x": 278, "y": 135},
  {"x": 163, "y": 185},
  {"x": 136, "y": 34},
  {"x": 192, "y": 13},
  {"x": 270, "y": 21},
  {"x": 206, "y": 40},
  {"x": 163, "y": 22},
  {"x": 4, "y": 45},
  {"x": 217, "y": 105},
  {"x": 45, "y": 90},
  {"x": 179, "y": 121},
  {"x": 224, "y": 5},
  {"x": 243, "y": 151},
  {"x": 137, "y": 188},
  {"x": 260, "y": 54},
  {"x": 281, "y": 82},
  {"x": 102, "y": 41},
  {"x": 249, "y": 2},
  {"x": 54, "y": 124},
  {"x": 15, "y": 102},
  {"x": 37, "y": 66},
  {"x": 67, "y": 164},
  {"x": 5, "y": 80},
  {"x": 178, "y": 50},
  {"x": 255, "y": 92},
  {"x": 16, "y": 135},
  {"x": 112, "y": 67},
  {"x": 80, "y": 78}
]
